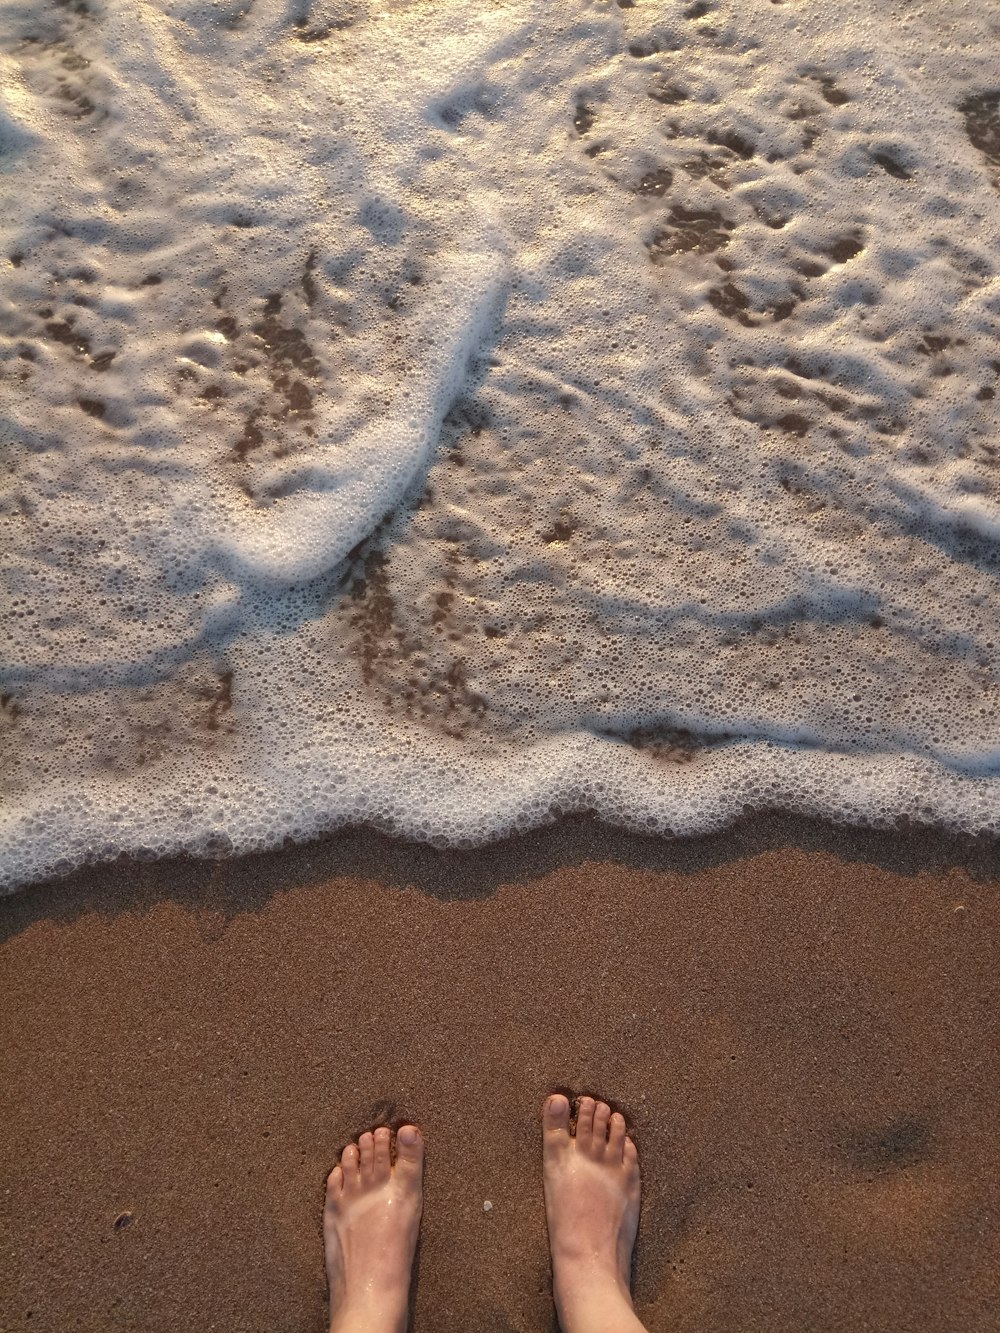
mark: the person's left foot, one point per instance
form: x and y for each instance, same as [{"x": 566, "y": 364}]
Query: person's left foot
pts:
[{"x": 370, "y": 1225}]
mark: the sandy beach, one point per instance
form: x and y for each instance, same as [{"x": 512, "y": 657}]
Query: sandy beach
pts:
[
  {"x": 444, "y": 418},
  {"x": 799, "y": 1023}
]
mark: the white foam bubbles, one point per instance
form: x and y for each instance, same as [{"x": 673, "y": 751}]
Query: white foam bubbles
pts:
[{"x": 447, "y": 417}]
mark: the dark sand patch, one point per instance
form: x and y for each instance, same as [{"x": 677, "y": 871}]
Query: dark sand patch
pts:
[
  {"x": 800, "y": 1023},
  {"x": 982, "y": 124},
  {"x": 702, "y": 231}
]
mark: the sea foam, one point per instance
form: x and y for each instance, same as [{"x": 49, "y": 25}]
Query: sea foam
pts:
[{"x": 445, "y": 416}]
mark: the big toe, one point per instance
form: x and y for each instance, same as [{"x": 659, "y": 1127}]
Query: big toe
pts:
[
  {"x": 630, "y": 1156},
  {"x": 555, "y": 1121},
  {"x": 409, "y": 1152}
]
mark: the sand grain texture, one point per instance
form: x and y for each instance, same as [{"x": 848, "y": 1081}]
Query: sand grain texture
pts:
[{"x": 800, "y": 1024}]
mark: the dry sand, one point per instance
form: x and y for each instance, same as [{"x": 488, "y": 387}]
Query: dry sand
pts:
[{"x": 800, "y": 1024}]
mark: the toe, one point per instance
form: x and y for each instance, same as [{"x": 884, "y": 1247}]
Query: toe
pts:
[
  {"x": 631, "y": 1155},
  {"x": 616, "y": 1136},
  {"x": 555, "y": 1122},
  {"x": 334, "y": 1184},
  {"x": 602, "y": 1118},
  {"x": 409, "y": 1152},
  {"x": 585, "y": 1122},
  {"x": 383, "y": 1165},
  {"x": 349, "y": 1167},
  {"x": 366, "y": 1143}
]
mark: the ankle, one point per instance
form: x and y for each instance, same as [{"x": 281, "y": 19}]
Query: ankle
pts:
[
  {"x": 578, "y": 1266},
  {"x": 590, "y": 1285},
  {"x": 371, "y": 1312}
]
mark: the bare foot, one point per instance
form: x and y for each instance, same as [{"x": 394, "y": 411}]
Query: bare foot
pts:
[
  {"x": 592, "y": 1209},
  {"x": 370, "y": 1225}
]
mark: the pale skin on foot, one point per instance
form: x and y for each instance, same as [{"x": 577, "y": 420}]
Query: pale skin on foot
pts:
[
  {"x": 370, "y": 1224},
  {"x": 591, "y": 1181},
  {"x": 592, "y": 1191}
]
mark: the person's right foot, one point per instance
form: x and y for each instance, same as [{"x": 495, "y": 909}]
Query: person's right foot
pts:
[{"x": 592, "y": 1192}]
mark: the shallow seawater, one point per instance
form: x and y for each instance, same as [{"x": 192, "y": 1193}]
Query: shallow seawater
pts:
[{"x": 448, "y": 415}]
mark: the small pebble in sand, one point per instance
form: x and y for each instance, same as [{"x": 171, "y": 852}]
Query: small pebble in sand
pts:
[
  {"x": 123, "y": 1220},
  {"x": 487, "y": 1206}
]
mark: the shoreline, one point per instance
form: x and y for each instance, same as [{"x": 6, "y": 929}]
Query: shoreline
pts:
[
  {"x": 447, "y": 872},
  {"x": 796, "y": 1019}
]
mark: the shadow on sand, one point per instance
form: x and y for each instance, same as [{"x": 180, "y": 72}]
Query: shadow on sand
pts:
[{"x": 231, "y": 887}]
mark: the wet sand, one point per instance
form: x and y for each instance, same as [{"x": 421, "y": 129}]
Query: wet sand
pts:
[{"x": 800, "y": 1024}]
